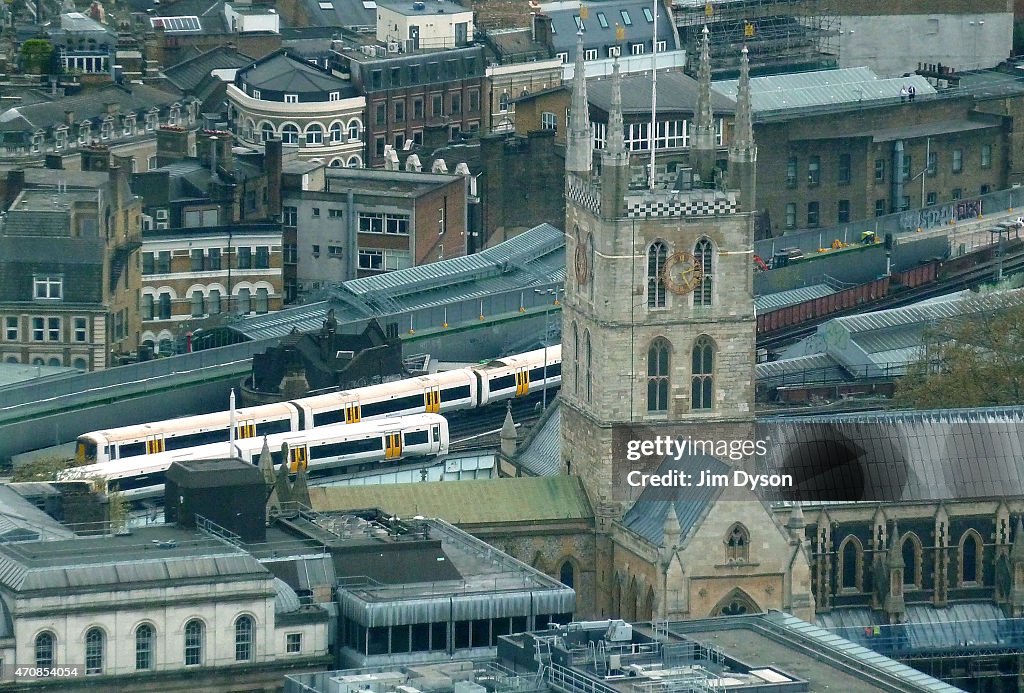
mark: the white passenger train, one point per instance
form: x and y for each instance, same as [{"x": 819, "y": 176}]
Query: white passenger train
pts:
[
  {"x": 321, "y": 451},
  {"x": 464, "y": 388}
]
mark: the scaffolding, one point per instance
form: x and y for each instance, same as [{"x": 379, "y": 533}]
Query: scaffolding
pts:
[{"x": 780, "y": 35}]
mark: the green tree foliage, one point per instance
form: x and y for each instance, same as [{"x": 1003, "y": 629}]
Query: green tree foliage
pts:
[
  {"x": 42, "y": 469},
  {"x": 973, "y": 360},
  {"x": 36, "y": 55}
]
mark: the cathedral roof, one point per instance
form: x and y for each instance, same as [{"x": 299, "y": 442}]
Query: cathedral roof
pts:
[
  {"x": 481, "y": 501},
  {"x": 647, "y": 515}
]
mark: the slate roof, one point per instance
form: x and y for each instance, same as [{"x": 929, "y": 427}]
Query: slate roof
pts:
[
  {"x": 595, "y": 35},
  {"x": 482, "y": 501},
  {"x": 677, "y": 92},
  {"x": 541, "y": 453},
  {"x": 21, "y": 518},
  {"x": 282, "y": 73},
  {"x": 647, "y": 515},
  {"x": 188, "y": 74},
  {"x": 340, "y": 13},
  {"x": 91, "y": 104},
  {"x": 6, "y": 622}
]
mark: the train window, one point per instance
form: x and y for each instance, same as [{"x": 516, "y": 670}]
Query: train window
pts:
[
  {"x": 132, "y": 449},
  {"x": 275, "y": 458},
  {"x": 133, "y": 483},
  {"x": 537, "y": 374},
  {"x": 86, "y": 450},
  {"x": 302, "y": 418},
  {"x": 452, "y": 393},
  {"x": 195, "y": 439},
  {"x": 555, "y": 369},
  {"x": 415, "y": 403},
  {"x": 348, "y": 447},
  {"x": 270, "y": 427},
  {"x": 416, "y": 438},
  {"x": 437, "y": 433},
  {"x": 328, "y": 417},
  {"x": 503, "y": 383}
]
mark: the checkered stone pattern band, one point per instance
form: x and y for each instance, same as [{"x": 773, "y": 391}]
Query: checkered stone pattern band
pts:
[
  {"x": 680, "y": 208},
  {"x": 584, "y": 198}
]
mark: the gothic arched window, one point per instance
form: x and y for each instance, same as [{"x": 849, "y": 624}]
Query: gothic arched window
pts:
[
  {"x": 703, "y": 253},
  {"x": 658, "y": 361},
  {"x": 911, "y": 551},
  {"x": 576, "y": 358},
  {"x": 737, "y": 544},
  {"x": 567, "y": 574},
  {"x": 94, "y": 642},
  {"x": 850, "y": 557},
  {"x": 244, "y": 639},
  {"x": 703, "y": 374},
  {"x": 971, "y": 554},
  {"x": 587, "y": 355},
  {"x": 144, "y": 642},
  {"x": 657, "y": 253}
]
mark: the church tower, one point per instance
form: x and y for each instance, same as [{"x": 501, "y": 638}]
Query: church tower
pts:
[{"x": 658, "y": 331}]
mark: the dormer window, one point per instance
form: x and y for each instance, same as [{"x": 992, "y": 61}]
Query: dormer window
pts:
[
  {"x": 291, "y": 98},
  {"x": 256, "y": 94},
  {"x": 335, "y": 96}
]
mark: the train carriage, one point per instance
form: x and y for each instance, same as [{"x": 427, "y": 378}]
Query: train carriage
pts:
[
  {"x": 517, "y": 376},
  {"x": 439, "y": 392},
  {"x": 187, "y": 432},
  {"x": 320, "y": 450}
]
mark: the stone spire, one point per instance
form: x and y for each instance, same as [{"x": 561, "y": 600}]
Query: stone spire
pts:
[
  {"x": 615, "y": 162},
  {"x": 670, "y": 528},
  {"x": 579, "y": 155},
  {"x": 508, "y": 434},
  {"x": 742, "y": 150},
  {"x": 267, "y": 464},
  {"x": 704, "y": 131},
  {"x": 1017, "y": 551}
]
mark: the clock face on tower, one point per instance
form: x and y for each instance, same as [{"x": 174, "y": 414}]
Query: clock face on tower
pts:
[
  {"x": 681, "y": 273},
  {"x": 581, "y": 260}
]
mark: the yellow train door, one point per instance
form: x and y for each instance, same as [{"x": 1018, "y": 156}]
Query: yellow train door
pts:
[
  {"x": 297, "y": 459},
  {"x": 432, "y": 400},
  {"x": 392, "y": 445},
  {"x": 353, "y": 412}
]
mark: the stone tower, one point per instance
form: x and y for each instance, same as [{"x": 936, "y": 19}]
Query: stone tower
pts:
[{"x": 659, "y": 331}]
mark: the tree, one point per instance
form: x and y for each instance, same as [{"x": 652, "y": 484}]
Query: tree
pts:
[
  {"x": 42, "y": 469},
  {"x": 973, "y": 360},
  {"x": 36, "y": 55}
]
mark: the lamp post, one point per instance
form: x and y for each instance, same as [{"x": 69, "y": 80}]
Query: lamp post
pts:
[{"x": 547, "y": 339}]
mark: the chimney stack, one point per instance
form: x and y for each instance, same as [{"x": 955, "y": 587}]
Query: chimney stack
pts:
[{"x": 272, "y": 163}]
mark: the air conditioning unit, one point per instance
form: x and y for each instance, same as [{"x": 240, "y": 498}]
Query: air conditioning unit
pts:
[
  {"x": 370, "y": 51},
  {"x": 408, "y": 45},
  {"x": 161, "y": 225},
  {"x": 381, "y": 51},
  {"x": 392, "y": 46}
]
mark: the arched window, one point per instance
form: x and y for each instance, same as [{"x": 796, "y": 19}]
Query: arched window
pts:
[
  {"x": 850, "y": 563},
  {"x": 911, "y": 551},
  {"x": 314, "y": 134},
  {"x": 355, "y": 162},
  {"x": 703, "y": 378},
  {"x": 144, "y": 636},
  {"x": 586, "y": 356},
  {"x": 53, "y": 361},
  {"x": 354, "y": 126},
  {"x": 656, "y": 256},
  {"x": 262, "y": 301},
  {"x": 576, "y": 358},
  {"x": 266, "y": 131},
  {"x": 736, "y": 603},
  {"x": 337, "y": 163},
  {"x": 503, "y": 102},
  {"x": 80, "y": 364},
  {"x": 567, "y": 574},
  {"x": 658, "y": 376},
  {"x": 244, "y": 639},
  {"x": 703, "y": 253},
  {"x": 289, "y": 133},
  {"x": 971, "y": 554},
  {"x": 337, "y": 132},
  {"x": 46, "y": 648},
  {"x": 94, "y": 651},
  {"x": 194, "y": 642},
  {"x": 737, "y": 544}
]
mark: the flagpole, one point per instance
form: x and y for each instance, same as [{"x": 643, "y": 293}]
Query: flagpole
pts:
[
  {"x": 231, "y": 431},
  {"x": 654, "y": 95}
]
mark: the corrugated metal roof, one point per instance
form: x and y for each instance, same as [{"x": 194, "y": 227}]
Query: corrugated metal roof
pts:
[
  {"x": 924, "y": 312},
  {"x": 781, "y": 299},
  {"x": 822, "y": 87},
  {"x": 541, "y": 454},
  {"x": 813, "y": 369},
  {"x": 490, "y": 501}
]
